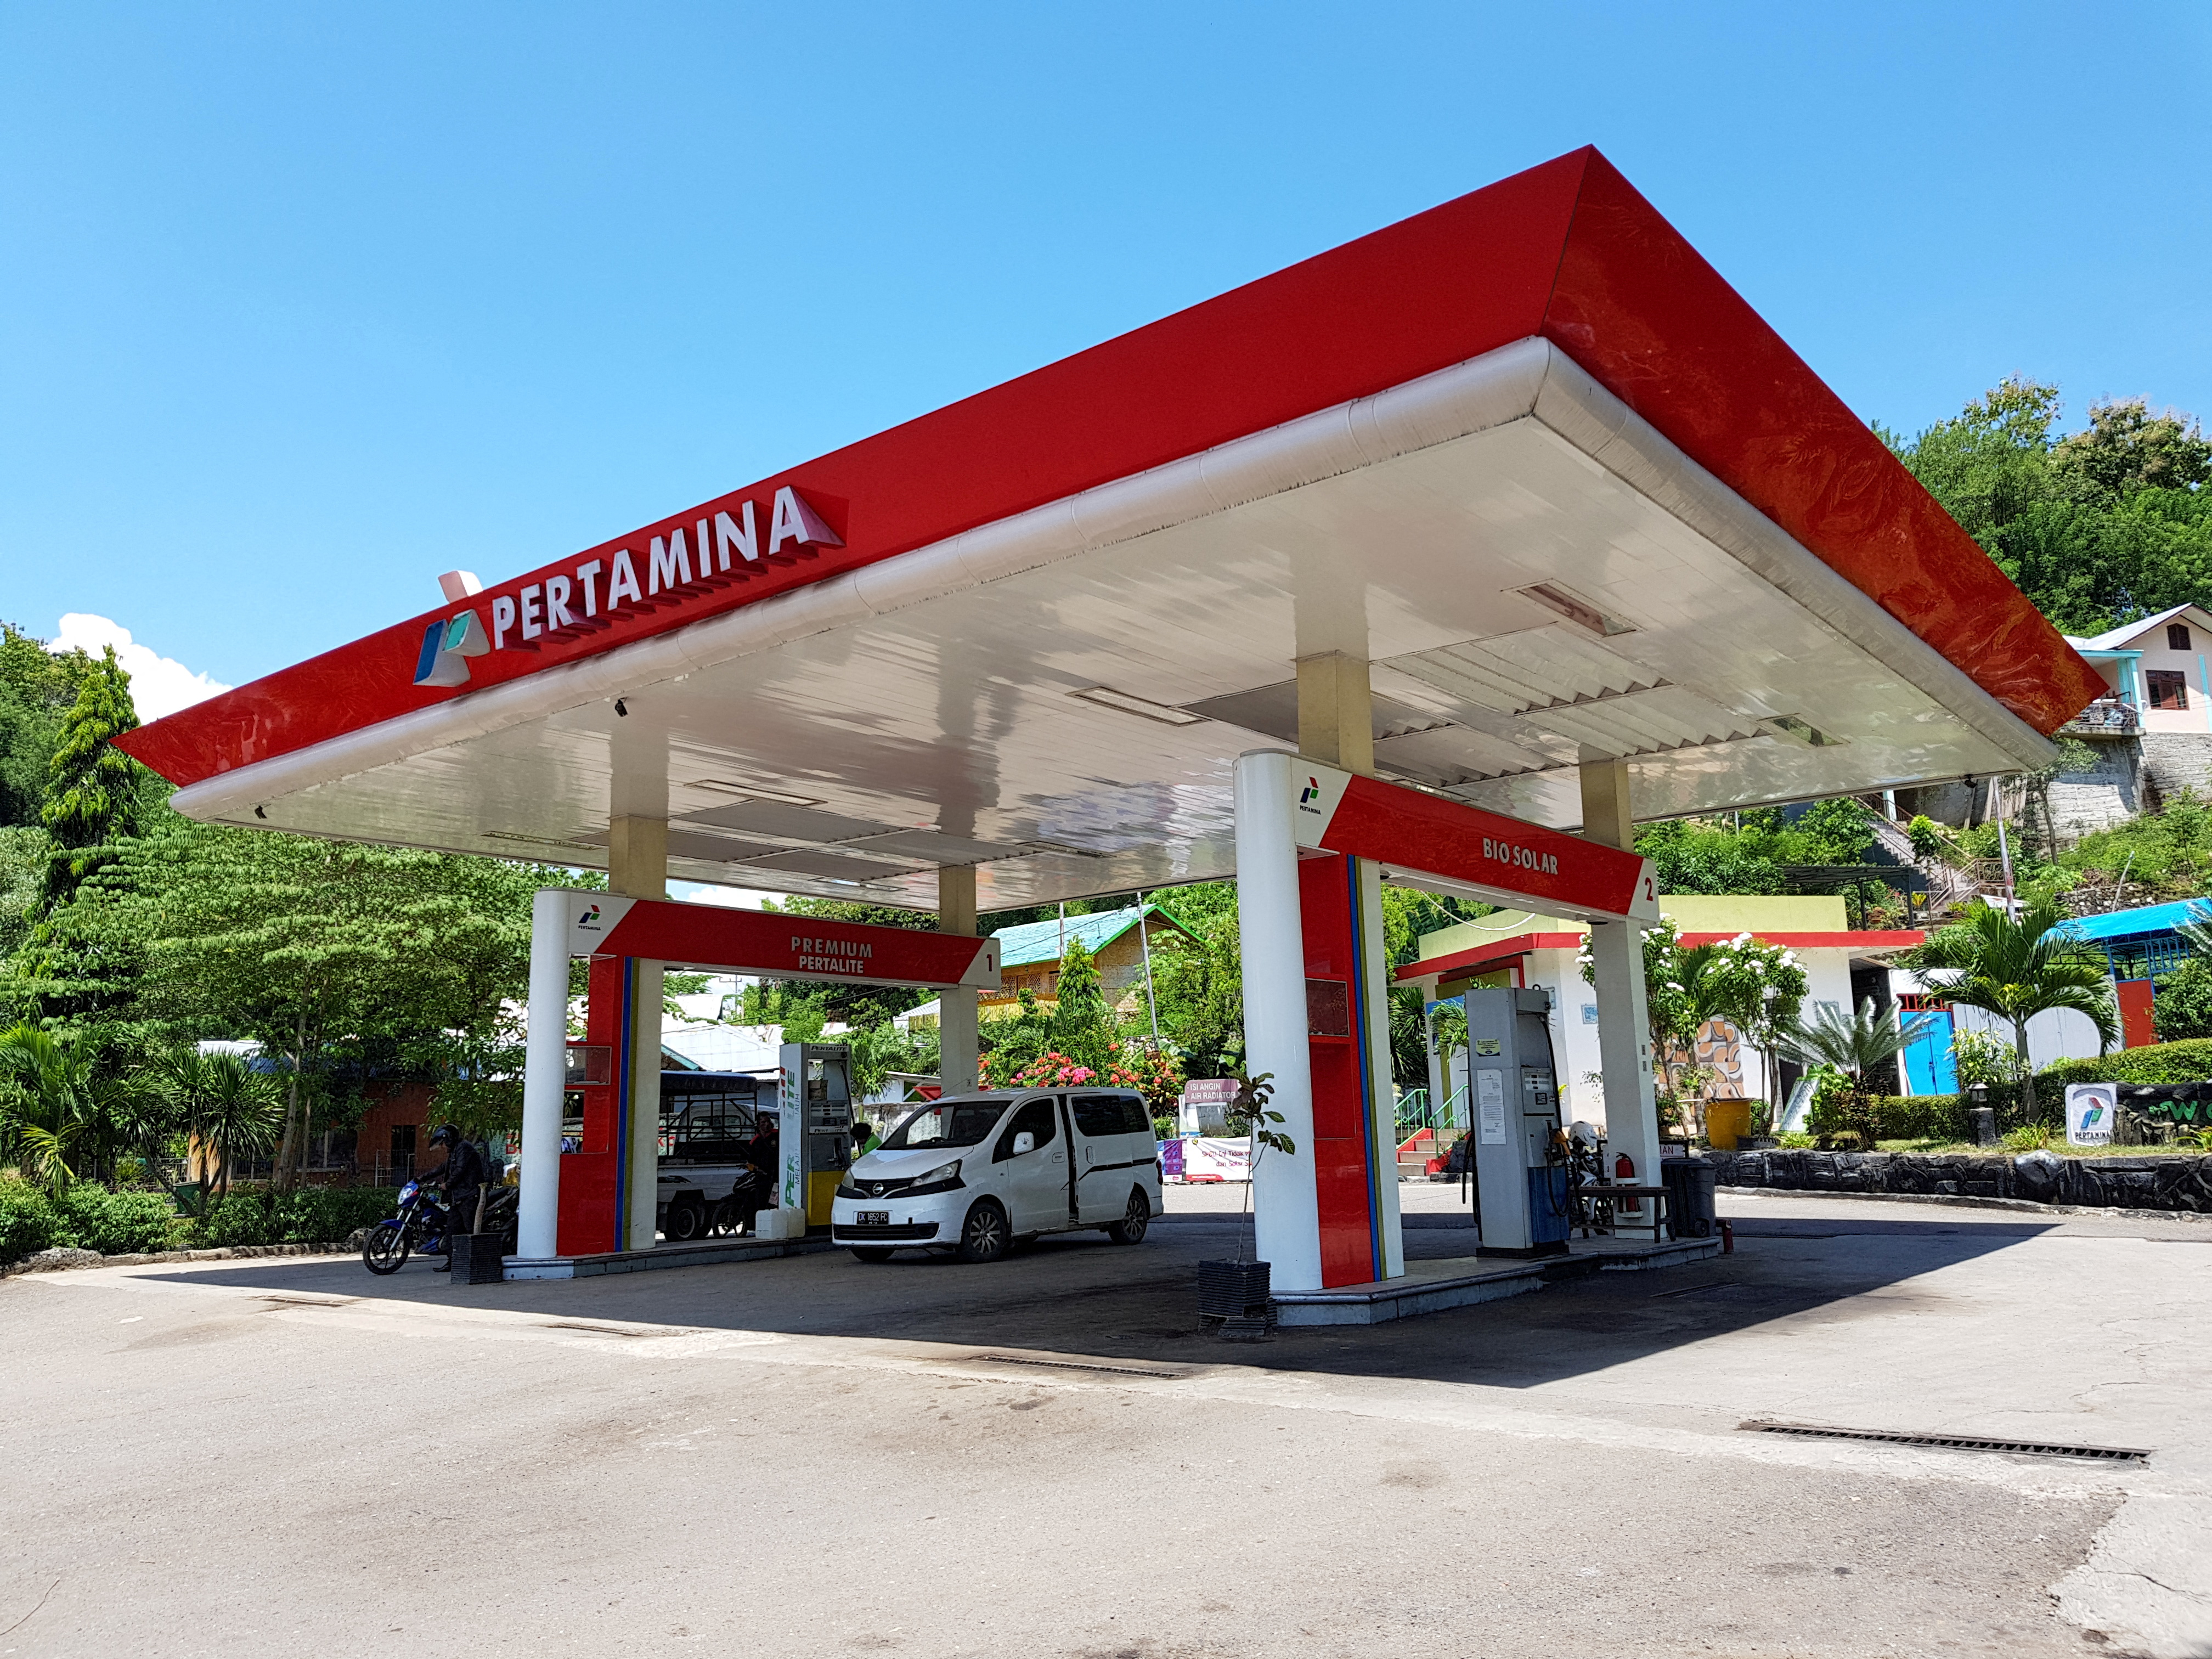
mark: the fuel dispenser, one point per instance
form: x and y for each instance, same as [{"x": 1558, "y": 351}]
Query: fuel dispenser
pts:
[
  {"x": 814, "y": 1133},
  {"x": 1520, "y": 1150}
]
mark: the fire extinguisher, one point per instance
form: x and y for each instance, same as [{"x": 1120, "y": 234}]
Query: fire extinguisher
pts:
[{"x": 1624, "y": 1175}]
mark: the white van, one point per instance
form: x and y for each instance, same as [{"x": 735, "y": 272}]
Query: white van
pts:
[{"x": 973, "y": 1173}]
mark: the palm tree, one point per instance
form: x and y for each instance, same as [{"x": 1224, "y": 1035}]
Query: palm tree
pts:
[
  {"x": 47, "y": 1123},
  {"x": 226, "y": 1109},
  {"x": 1856, "y": 1044},
  {"x": 2197, "y": 931},
  {"x": 2017, "y": 969}
]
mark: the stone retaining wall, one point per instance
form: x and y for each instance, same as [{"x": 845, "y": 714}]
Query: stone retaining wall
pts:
[
  {"x": 56, "y": 1259},
  {"x": 2125, "y": 1183}
]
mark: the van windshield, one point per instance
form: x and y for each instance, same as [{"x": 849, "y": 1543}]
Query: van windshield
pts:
[{"x": 963, "y": 1123}]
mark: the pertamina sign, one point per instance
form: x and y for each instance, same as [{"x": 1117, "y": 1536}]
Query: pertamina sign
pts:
[
  {"x": 720, "y": 940},
  {"x": 679, "y": 565},
  {"x": 1500, "y": 858}
]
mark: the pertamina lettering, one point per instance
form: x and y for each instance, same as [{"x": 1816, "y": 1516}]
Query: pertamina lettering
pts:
[{"x": 718, "y": 549}]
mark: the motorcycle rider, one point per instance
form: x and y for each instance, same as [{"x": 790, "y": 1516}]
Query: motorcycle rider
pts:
[
  {"x": 764, "y": 1153},
  {"x": 463, "y": 1175}
]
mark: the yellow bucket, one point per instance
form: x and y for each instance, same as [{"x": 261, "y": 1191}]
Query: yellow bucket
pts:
[{"x": 1727, "y": 1121}]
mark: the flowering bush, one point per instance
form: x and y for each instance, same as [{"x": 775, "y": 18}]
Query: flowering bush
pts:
[
  {"x": 1154, "y": 1074},
  {"x": 1049, "y": 1070}
]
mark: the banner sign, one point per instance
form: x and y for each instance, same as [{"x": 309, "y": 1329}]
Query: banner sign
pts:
[
  {"x": 1207, "y": 1159},
  {"x": 722, "y": 940},
  {"x": 1416, "y": 835},
  {"x": 2090, "y": 1107}
]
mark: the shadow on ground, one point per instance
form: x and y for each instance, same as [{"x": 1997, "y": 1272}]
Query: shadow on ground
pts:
[{"x": 1083, "y": 1295}]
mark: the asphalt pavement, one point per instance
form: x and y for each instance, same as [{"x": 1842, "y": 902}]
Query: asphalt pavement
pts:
[{"x": 1047, "y": 1456}]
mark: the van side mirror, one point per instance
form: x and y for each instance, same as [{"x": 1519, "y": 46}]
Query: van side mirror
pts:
[{"x": 1025, "y": 1142}]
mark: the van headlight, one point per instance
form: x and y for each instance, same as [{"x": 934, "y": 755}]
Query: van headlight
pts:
[{"x": 945, "y": 1178}]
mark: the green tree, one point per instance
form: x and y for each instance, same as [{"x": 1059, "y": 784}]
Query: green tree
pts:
[
  {"x": 1082, "y": 1025},
  {"x": 1690, "y": 856},
  {"x": 37, "y": 687},
  {"x": 2109, "y": 523},
  {"x": 2017, "y": 969},
  {"x": 1759, "y": 988},
  {"x": 1200, "y": 988},
  {"x": 227, "y": 1112},
  {"x": 92, "y": 787},
  {"x": 321, "y": 947},
  {"x": 93, "y": 801}
]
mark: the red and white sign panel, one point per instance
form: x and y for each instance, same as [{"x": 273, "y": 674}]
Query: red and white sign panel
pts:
[
  {"x": 1503, "y": 858},
  {"x": 710, "y": 937}
]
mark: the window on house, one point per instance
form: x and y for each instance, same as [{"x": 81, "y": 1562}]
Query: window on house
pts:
[
  {"x": 2177, "y": 637},
  {"x": 2169, "y": 689}
]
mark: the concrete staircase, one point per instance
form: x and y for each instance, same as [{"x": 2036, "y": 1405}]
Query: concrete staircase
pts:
[{"x": 1415, "y": 1151}]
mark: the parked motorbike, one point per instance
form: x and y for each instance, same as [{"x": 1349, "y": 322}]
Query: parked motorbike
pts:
[
  {"x": 734, "y": 1213},
  {"x": 420, "y": 1225},
  {"x": 503, "y": 1215}
]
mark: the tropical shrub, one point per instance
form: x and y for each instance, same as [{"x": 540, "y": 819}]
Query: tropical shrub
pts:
[
  {"x": 238, "y": 1218},
  {"x": 320, "y": 1215},
  {"x": 90, "y": 1218},
  {"x": 26, "y": 1221}
]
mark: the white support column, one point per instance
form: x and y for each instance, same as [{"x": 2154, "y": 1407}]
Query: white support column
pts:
[
  {"x": 958, "y": 1045},
  {"x": 1624, "y": 1017},
  {"x": 544, "y": 1075},
  {"x": 1286, "y": 1210},
  {"x": 637, "y": 867}
]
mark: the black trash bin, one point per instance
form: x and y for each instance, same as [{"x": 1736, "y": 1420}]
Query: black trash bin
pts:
[
  {"x": 479, "y": 1259},
  {"x": 1689, "y": 1184}
]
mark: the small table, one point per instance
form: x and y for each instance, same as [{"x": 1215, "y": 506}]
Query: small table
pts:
[{"x": 1614, "y": 1196}]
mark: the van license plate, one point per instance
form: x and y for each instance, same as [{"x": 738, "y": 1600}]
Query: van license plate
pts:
[{"x": 875, "y": 1218}]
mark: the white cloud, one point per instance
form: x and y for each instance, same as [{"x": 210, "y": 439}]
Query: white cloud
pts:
[
  {"x": 159, "y": 685},
  {"x": 730, "y": 899}
]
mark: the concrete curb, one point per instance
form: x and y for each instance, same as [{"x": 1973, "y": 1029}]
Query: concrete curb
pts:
[
  {"x": 1958, "y": 1201},
  {"x": 228, "y": 1253}
]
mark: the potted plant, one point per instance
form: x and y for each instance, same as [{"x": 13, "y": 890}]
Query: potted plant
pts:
[{"x": 1234, "y": 1295}]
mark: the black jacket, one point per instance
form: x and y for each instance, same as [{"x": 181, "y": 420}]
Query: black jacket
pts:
[{"x": 464, "y": 1168}]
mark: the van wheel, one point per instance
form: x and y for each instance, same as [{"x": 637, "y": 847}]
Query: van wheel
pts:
[
  {"x": 687, "y": 1219},
  {"x": 1130, "y": 1229},
  {"x": 983, "y": 1234},
  {"x": 871, "y": 1252}
]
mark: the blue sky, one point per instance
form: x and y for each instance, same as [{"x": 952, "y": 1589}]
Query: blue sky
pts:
[{"x": 301, "y": 305}]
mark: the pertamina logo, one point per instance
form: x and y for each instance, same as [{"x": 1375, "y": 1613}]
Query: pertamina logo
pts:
[
  {"x": 1310, "y": 794},
  {"x": 599, "y": 593},
  {"x": 590, "y": 918}
]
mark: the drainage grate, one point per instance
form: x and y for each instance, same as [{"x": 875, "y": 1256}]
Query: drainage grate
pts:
[
  {"x": 1069, "y": 1365},
  {"x": 1954, "y": 1442}
]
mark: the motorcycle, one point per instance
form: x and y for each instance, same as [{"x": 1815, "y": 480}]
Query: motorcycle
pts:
[
  {"x": 420, "y": 1225},
  {"x": 733, "y": 1212}
]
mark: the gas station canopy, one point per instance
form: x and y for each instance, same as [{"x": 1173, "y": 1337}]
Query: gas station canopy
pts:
[{"x": 1526, "y": 456}]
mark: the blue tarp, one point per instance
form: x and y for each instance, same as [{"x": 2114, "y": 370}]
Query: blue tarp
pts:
[{"x": 2147, "y": 919}]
